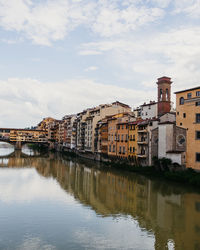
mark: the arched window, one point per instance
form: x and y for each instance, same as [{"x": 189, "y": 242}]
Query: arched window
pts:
[
  {"x": 182, "y": 101},
  {"x": 167, "y": 94},
  {"x": 161, "y": 94}
]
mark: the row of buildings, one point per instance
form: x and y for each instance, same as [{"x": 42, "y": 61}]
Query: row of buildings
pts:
[{"x": 115, "y": 131}]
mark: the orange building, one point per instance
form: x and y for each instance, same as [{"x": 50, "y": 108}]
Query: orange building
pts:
[
  {"x": 113, "y": 133},
  {"x": 103, "y": 140},
  {"x": 188, "y": 116},
  {"x": 112, "y": 136},
  {"x": 132, "y": 142},
  {"x": 122, "y": 139}
]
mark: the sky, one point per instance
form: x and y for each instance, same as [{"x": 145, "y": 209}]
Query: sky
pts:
[{"x": 59, "y": 57}]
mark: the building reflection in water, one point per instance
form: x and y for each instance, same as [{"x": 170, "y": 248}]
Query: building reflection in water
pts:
[{"x": 170, "y": 212}]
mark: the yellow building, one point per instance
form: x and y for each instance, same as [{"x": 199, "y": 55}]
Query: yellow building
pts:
[
  {"x": 44, "y": 124},
  {"x": 132, "y": 143},
  {"x": 113, "y": 139},
  {"x": 188, "y": 116},
  {"x": 28, "y": 135}
]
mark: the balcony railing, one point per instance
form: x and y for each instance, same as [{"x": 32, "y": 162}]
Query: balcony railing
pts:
[
  {"x": 142, "y": 142},
  {"x": 142, "y": 131}
]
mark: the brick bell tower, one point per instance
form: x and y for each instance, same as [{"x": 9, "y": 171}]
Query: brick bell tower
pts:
[{"x": 164, "y": 95}]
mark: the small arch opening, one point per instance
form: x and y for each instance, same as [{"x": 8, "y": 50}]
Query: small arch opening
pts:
[
  {"x": 161, "y": 94},
  {"x": 167, "y": 95}
]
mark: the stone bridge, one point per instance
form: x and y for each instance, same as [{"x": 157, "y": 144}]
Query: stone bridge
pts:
[{"x": 20, "y": 137}]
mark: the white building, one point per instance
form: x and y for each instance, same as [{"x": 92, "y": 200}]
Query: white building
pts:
[
  {"x": 169, "y": 140},
  {"x": 149, "y": 110}
]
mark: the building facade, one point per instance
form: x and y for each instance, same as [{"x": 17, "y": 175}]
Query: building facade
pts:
[{"x": 188, "y": 117}]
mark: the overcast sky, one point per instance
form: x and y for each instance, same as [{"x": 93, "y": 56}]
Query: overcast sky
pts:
[{"x": 61, "y": 56}]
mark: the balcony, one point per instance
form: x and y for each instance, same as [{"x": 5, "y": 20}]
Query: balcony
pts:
[
  {"x": 143, "y": 142},
  {"x": 142, "y": 131},
  {"x": 142, "y": 156}
]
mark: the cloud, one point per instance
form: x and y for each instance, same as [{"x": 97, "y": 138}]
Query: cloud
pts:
[
  {"x": 49, "y": 21},
  {"x": 24, "y": 102},
  {"x": 91, "y": 68},
  {"x": 174, "y": 53},
  {"x": 45, "y": 22},
  {"x": 190, "y": 8},
  {"x": 42, "y": 22},
  {"x": 113, "y": 20}
]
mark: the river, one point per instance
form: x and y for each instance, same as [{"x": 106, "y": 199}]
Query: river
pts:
[{"x": 56, "y": 202}]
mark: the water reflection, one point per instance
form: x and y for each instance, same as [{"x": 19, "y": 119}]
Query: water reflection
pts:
[
  {"x": 6, "y": 149},
  {"x": 165, "y": 216}
]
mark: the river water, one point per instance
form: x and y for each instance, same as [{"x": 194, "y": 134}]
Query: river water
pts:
[{"x": 54, "y": 202}]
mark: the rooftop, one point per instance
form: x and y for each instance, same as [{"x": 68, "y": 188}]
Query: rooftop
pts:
[{"x": 185, "y": 90}]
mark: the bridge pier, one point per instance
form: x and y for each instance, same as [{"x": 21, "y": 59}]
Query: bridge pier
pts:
[{"x": 18, "y": 145}]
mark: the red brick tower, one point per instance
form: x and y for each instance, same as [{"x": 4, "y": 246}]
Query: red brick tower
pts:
[{"x": 164, "y": 95}]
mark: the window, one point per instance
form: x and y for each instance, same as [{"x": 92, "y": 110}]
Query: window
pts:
[
  {"x": 113, "y": 148},
  {"x": 197, "y": 103},
  {"x": 133, "y": 149},
  {"x": 133, "y": 137},
  {"x": 198, "y": 118},
  {"x": 184, "y": 115},
  {"x": 126, "y": 126},
  {"x": 130, "y": 137},
  {"x": 124, "y": 150},
  {"x": 198, "y": 93},
  {"x": 122, "y": 126},
  {"x": 122, "y": 137},
  {"x": 167, "y": 94},
  {"x": 130, "y": 149},
  {"x": 181, "y": 124},
  {"x": 177, "y": 113},
  {"x": 181, "y": 101},
  {"x": 189, "y": 95},
  {"x": 109, "y": 148},
  {"x": 161, "y": 94},
  {"x": 198, "y": 157},
  {"x": 197, "y": 135},
  {"x": 120, "y": 149}
]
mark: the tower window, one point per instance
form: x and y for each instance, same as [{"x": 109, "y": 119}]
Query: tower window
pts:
[
  {"x": 161, "y": 94},
  {"x": 181, "y": 101},
  {"x": 167, "y": 94}
]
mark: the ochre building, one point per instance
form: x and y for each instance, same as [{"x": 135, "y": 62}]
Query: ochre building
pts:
[{"x": 188, "y": 116}]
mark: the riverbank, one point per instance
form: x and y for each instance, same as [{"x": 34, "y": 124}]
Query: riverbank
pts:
[
  {"x": 177, "y": 175},
  {"x": 186, "y": 177}
]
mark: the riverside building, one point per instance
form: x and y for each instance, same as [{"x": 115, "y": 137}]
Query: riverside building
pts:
[{"x": 188, "y": 117}]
